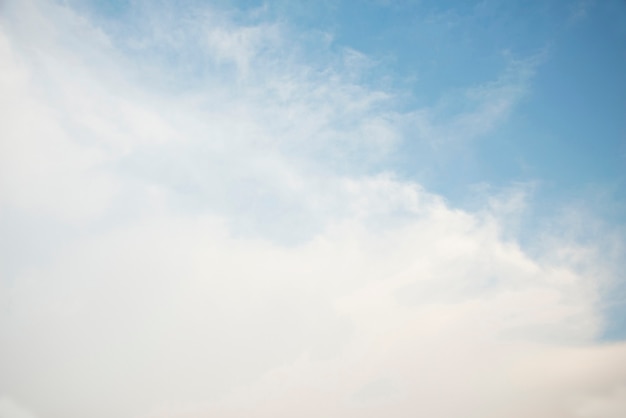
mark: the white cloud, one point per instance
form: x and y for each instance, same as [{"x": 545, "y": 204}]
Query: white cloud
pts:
[
  {"x": 237, "y": 255},
  {"x": 43, "y": 168},
  {"x": 9, "y": 409}
]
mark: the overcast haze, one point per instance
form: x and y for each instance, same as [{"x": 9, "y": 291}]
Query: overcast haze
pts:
[{"x": 312, "y": 209}]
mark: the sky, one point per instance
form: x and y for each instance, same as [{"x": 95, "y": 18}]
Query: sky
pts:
[{"x": 333, "y": 208}]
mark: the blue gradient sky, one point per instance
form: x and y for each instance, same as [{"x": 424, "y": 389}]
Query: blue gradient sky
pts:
[{"x": 566, "y": 131}]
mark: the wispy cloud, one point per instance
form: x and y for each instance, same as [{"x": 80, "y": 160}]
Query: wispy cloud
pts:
[
  {"x": 230, "y": 246},
  {"x": 468, "y": 114}
]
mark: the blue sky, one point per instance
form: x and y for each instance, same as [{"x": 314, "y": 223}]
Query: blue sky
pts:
[
  {"x": 333, "y": 208},
  {"x": 567, "y": 128}
]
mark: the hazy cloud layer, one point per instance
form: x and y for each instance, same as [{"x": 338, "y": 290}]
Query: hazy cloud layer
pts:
[{"x": 200, "y": 220}]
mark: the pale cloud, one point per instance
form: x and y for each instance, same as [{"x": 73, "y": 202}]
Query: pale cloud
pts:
[
  {"x": 238, "y": 255},
  {"x": 42, "y": 167},
  {"x": 174, "y": 312},
  {"x": 470, "y": 113},
  {"x": 9, "y": 409},
  {"x": 239, "y": 45}
]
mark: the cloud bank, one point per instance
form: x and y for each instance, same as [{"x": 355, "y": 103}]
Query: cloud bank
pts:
[{"x": 200, "y": 217}]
